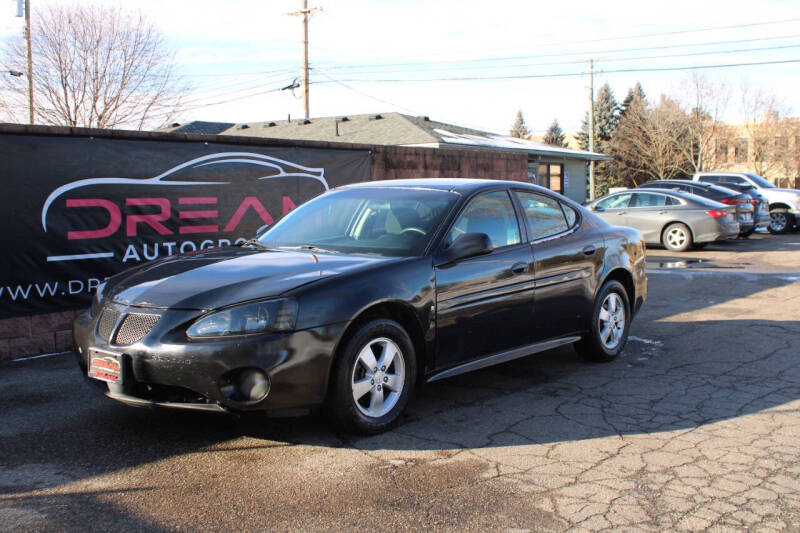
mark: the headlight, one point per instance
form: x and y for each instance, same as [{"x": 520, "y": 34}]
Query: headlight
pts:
[
  {"x": 258, "y": 317},
  {"x": 98, "y": 298}
]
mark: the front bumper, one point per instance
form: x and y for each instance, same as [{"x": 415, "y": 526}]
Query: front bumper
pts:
[{"x": 166, "y": 369}]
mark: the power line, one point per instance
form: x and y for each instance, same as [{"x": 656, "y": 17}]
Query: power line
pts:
[
  {"x": 244, "y": 97},
  {"x": 562, "y": 54},
  {"x": 579, "y": 61},
  {"x": 236, "y": 88},
  {"x": 570, "y": 74},
  {"x": 362, "y": 93},
  {"x": 619, "y": 38}
]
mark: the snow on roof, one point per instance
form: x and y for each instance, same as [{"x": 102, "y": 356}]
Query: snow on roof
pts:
[{"x": 502, "y": 142}]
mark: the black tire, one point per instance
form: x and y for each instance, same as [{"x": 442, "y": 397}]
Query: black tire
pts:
[
  {"x": 677, "y": 237},
  {"x": 592, "y": 347},
  {"x": 746, "y": 234},
  {"x": 346, "y": 412},
  {"x": 780, "y": 221}
]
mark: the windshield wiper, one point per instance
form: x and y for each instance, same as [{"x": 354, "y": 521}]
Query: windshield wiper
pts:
[
  {"x": 254, "y": 242},
  {"x": 311, "y": 248}
]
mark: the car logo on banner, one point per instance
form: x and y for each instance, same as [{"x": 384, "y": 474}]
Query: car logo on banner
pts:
[{"x": 206, "y": 197}]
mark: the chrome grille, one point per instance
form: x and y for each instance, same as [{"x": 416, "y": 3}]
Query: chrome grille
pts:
[
  {"x": 135, "y": 327},
  {"x": 107, "y": 323}
]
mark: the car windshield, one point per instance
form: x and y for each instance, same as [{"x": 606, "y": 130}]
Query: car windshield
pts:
[
  {"x": 373, "y": 220},
  {"x": 761, "y": 181}
]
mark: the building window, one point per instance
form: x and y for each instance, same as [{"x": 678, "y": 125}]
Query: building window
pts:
[
  {"x": 550, "y": 176},
  {"x": 721, "y": 151},
  {"x": 740, "y": 150}
]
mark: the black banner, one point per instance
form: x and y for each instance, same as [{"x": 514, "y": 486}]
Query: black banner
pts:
[{"x": 76, "y": 210}]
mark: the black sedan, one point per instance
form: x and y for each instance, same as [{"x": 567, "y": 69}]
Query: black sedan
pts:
[{"x": 357, "y": 295}]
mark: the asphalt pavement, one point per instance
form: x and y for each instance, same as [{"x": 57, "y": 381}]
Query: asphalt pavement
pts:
[{"x": 695, "y": 426}]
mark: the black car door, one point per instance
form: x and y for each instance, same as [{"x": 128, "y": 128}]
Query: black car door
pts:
[
  {"x": 567, "y": 258},
  {"x": 484, "y": 303}
]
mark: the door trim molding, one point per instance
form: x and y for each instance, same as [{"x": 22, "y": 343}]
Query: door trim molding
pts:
[{"x": 502, "y": 357}]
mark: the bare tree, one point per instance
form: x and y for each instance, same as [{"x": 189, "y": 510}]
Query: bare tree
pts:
[
  {"x": 96, "y": 67},
  {"x": 771, "y": 134},
  {"x": 646, "y": 142},
  {"x": 706, "y": 102}
]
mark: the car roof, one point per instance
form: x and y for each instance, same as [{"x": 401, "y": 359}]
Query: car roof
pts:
[
  {"x": 686, "y": 182},
  {"x": 459, "y": 185},
  {"x": 648, "y": 190},
  {"x": 700, "y": 184}
]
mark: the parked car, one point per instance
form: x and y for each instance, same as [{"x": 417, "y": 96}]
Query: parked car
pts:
[
  {"x": 356, "y": 295},
  {"x": 760, "y": 204},
  {"x": 784, "y": 204},
  {"x": 745, "y": 210},
  {"x": 678, "y": 220}
]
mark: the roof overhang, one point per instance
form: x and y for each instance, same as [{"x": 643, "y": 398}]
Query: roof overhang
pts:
[{"x": 512, "y": 144}]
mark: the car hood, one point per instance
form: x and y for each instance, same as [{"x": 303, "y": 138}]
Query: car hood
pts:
[{"x": 216, "y": 278}]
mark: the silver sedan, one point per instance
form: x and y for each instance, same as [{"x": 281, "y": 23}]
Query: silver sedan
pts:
[{"x": 675, "y": 219}]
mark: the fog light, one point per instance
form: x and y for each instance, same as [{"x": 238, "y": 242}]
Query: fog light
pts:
[
  {"x": 245, "y": 385},
  {"x": 253, "y": 385}
]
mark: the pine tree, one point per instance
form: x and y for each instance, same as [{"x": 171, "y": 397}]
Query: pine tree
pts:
[
  {"x": 606, "y": 116},
  {"x": 554, "y": 135},
  {"x": 634, "y": 94},
  {"x": 519, "y": 130}
]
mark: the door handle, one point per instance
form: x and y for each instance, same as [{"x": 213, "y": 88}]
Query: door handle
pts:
[
  {"x": 519, "y": 268},
  {"x": 588, "y": 250},
  {"x": 662, "y": 212},
  {"x": 622, "y": 213}
]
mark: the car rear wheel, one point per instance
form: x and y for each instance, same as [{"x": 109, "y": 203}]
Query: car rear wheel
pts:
[
  {"x": 373, "y": 378},
  {"x": 779, "y": 221},
  {"x": 609, "y": 327},
  {"x": 677, "y": 237}
]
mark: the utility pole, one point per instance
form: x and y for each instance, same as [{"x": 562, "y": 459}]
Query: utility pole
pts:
[
  {"x": 24, "y": 10},
  {"x": 30, "y": 59},
  {"x": 305, "y": 13},
  {"x": 591, "y": 128}
]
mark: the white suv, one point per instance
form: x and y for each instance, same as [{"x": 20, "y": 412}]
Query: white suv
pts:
[{"x": 784, "y": 204}]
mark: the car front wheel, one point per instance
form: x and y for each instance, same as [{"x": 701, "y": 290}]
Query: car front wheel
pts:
[
  {"x": 373, "y": 378},
  {"x": 610, "y": 322}
]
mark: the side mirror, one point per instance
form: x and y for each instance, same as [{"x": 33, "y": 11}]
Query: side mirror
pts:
[
  {"x": 467, "y": 245},
  {"x": 262, "y": 229},
  {"x": 598, "y": 207}
]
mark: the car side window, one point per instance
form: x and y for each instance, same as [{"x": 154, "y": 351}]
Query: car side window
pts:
[
  {"x": 710, "y": 179},
  {"x": 544, "y": 215},
  {"x": 672, "y": 201},
  {"x": 491, "y": 213},
  {"x": 570, "y": 213},
  {"x": 646, "y": 199},
  {"x": 617, "y": 201},
  {"x": 733, "y": 179}
]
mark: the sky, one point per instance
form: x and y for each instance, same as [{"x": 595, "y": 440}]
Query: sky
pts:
[{"x": 422, "y": 57}]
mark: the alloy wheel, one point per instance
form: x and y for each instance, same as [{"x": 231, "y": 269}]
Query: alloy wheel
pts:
[
  {"x": 778, "y": 221},
  {"x": 378, "y": 377},
  {"x": 676, "y": 237},
  {"x": 611, "y": 321}
]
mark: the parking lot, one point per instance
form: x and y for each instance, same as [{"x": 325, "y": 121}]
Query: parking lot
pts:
[{"x": 695, "y": 426}]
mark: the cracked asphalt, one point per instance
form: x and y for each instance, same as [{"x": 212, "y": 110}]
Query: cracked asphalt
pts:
[{"x": 696, "y": 426}]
